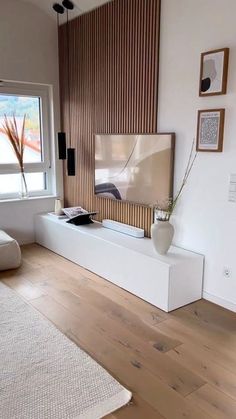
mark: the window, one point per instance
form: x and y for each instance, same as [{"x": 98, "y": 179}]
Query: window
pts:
[{"x": 33, "y": 101}]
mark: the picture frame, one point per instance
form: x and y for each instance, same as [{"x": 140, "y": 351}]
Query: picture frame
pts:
[
  {"x": 214, "y": 72},
  {"x": 210, "y": 130}
]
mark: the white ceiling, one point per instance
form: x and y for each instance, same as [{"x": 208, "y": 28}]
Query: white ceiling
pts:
[{"x": 81, "y": 6}]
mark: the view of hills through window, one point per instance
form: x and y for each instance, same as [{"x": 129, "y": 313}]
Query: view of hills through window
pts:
[{"x": 18, "y": 106}]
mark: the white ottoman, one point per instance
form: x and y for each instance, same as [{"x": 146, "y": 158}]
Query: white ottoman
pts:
[{"x": 10, "y": 254}]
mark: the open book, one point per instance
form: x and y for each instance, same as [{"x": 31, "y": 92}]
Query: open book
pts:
[
  {"x": 72, "y": 212},
  {"x": 78, "y": 215}
]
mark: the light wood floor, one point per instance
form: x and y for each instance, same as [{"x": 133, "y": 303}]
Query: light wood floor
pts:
[{"x": 178, "y": 365}]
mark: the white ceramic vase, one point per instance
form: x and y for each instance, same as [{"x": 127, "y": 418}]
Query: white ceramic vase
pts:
[{"x": 162, "y": 233}]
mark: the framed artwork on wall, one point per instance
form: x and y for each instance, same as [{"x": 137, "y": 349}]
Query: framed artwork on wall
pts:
[
  {"x": 210, "y": 130},
  {"x": 213, "y": 72}
]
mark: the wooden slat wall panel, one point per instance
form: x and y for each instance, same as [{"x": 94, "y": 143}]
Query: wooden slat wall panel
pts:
[{"x": 113, "y": 76}]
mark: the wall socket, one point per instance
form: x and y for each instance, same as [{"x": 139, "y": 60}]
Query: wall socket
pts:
[
  {"x": 232, "y": 188},
  {"x": 226, "y": 272}
]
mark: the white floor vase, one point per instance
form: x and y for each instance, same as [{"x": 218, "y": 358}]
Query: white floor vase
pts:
[{"x": 162, "y": 233}]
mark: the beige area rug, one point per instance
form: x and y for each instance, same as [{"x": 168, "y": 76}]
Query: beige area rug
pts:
[{"x": 43, "y": 375}]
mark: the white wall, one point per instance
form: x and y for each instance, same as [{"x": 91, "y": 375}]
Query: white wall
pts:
[
  {"x": 29, "y": 52},
  {"x": 17, "y": 217},
  {"x": 204, "y": 220}
]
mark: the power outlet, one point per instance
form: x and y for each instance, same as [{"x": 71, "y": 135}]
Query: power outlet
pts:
[
  {"x": 226, "y": 272},
  {"x": 232, "y": 188}
]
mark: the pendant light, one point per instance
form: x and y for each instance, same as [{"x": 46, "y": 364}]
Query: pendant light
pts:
[
  {"x": 58, "y": 8},
  {"x": 61, "y": 136},
  {"x": 68, "y": 4},
  {"x": 70, "y": 152}
]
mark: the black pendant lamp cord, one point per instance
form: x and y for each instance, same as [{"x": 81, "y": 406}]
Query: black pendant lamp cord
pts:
[{"x": 68, "y": 74}]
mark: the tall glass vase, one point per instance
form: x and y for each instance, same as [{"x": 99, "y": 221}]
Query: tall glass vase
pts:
[{"x": 24, "y": 193}]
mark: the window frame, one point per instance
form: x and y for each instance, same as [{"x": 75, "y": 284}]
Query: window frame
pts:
[{"x": 45, "y": 166}]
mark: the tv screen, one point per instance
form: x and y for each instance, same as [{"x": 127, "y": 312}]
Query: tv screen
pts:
[{"x": 134, "y": 167}]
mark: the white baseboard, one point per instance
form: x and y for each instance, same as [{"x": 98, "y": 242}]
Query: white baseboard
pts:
[{"x": 220, "y": 301}]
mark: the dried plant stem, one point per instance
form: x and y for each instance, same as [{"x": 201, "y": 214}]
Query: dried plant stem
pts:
[
  {"x": 9, "y": 128},
  {"x": 187, "y": 173},
  {"x": 165, "y": 213},
  {"x": 189, "y": 159}
]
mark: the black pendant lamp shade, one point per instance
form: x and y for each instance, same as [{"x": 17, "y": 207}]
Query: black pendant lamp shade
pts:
[
  {"x": 68, "y": 4},
  {"x": 71, "y": 162},
  {"x": 58, "y": 8},
  {"x": 61, "y": 145}
]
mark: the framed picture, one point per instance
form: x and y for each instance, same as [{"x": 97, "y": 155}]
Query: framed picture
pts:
[
  {"x": 210, "y": 130},
  {"x": 213, "y": 72}
]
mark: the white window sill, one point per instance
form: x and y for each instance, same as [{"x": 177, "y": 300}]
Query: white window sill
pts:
[{"x": 31, "y": 198}]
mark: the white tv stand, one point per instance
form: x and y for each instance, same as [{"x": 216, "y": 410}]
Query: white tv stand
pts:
[{"x": 168, "y": 282}]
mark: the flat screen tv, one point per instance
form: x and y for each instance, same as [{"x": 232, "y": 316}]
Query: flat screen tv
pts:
[{"x": 134, "y": 167}]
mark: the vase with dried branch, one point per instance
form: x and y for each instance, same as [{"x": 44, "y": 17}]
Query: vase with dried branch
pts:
[
  {"x": 17, "y": 141},
  {"x": 162, "y": 232}
]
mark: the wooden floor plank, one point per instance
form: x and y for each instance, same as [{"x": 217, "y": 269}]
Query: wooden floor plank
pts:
[
  {"x": 210, "y": 330},
  {"x": 214, "y": 402},
  {"x": 24, "y": 287},
  {"x": 213, "y": 315},
  {"x": 214, "y": 374},
  {"x": 137, "y": 409},
  {"x": 24, "y": 269},
  {"x": 223, "y": 354}
]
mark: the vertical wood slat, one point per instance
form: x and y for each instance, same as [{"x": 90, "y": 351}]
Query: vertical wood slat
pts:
[{"x": 114, "y": 80}]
